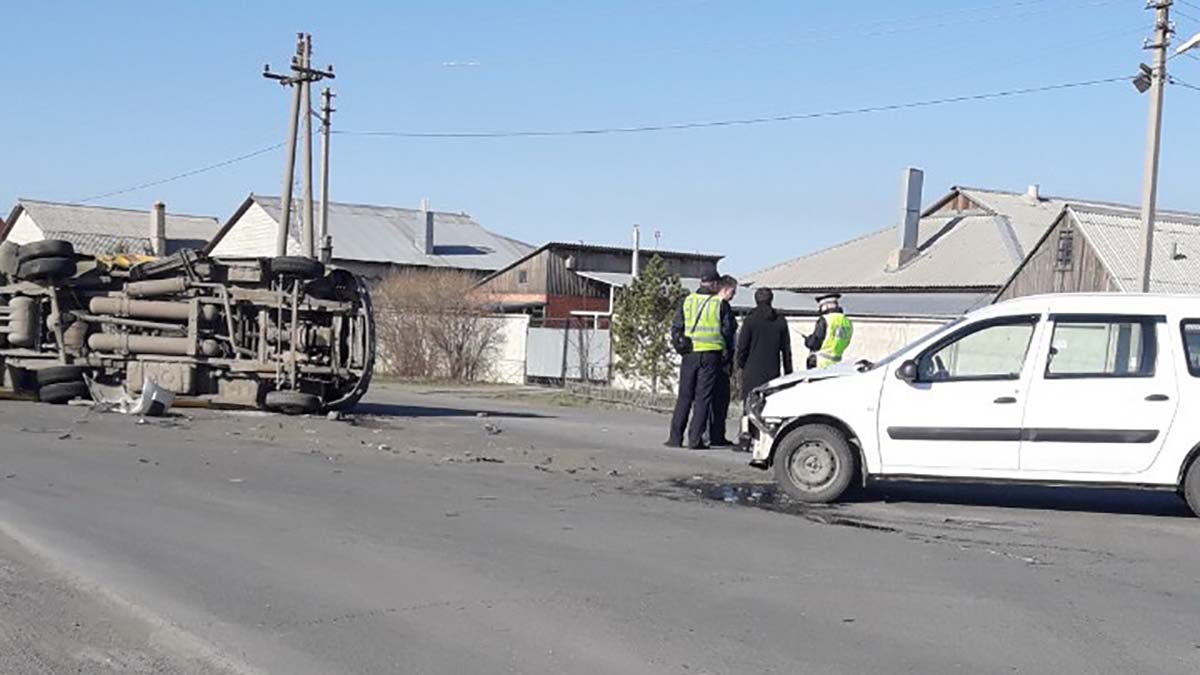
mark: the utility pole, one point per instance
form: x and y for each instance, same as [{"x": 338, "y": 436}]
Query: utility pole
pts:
[
  {"x": 302, "y": 74},
  {"x": 306, "y": 226},
  {"x": 326, "y": 123},
  {"x": 1157, "y": 82}
]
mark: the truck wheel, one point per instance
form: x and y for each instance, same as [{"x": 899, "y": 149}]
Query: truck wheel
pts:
[
  {"x": 48, "y": 248},
  {"x": 59, "y": 374},
  {"x": 814, "y": 464},
  {"x": 1191, "y": 487},
  {"x": 40, "y": 269},
  {"x": 292, "y": 402},
  {"x": 297, "y": 266},
  {"x": 63, "y": 392}
]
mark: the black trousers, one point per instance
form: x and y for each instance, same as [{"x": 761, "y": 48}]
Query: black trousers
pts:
[
  {"x": 697, "y": 379},
  {"x": 720, "y": 408}
]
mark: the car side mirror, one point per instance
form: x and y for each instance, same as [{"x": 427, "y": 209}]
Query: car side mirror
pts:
[{"x": 907, "y": 371}]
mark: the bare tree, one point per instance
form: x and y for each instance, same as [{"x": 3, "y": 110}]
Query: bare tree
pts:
[{"x": 434, "y": 325}]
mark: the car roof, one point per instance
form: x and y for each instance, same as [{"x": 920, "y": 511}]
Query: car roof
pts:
[{"x": 1096, "y": 303}]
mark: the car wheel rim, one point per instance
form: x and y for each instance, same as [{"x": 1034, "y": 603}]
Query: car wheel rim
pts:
[{"x": 813, "y": 466}]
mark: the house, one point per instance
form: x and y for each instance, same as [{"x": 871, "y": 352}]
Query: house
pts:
[
  {"x": 558, "y": 281},
  {"x": 374, "y": 241},
  {"x": 937, "y": 263},
  {"x": 99, "y": 229},
  {"x": 1099, "y": 248}
]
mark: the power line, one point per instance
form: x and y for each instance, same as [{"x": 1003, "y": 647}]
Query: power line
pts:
[
  {"x": 178, "y": 176},
  {"x": 1185, "y": 85},
  {"x": 680, "y": 126},
  {"x": 1189, "y": 4}
]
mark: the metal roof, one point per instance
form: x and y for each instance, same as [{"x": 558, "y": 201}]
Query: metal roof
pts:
[
  {"x": 1116, "y": 236},
  {"x": 973, "y": 249},
  {"x": 920, "y": 304},
  {"x": 388, "y": 234},
  {"x": 102, "y": 229}
]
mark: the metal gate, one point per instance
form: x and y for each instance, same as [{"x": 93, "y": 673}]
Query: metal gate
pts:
[{"x": 583, "y": 354}]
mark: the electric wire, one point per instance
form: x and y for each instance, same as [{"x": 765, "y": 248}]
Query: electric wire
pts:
[{"x": 179, "y": 176}]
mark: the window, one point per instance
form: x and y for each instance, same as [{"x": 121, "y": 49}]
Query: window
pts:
[
  {"x": 522, "y": 277},
  {"x": 992, "y": 351},
  {"x": 1191, "y": 345},
  {"x": 1098, "y": 347},
  {"x": 1066, "y": 251}
]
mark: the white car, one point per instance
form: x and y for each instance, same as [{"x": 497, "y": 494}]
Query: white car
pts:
[{"x": 1071, "y": 389}]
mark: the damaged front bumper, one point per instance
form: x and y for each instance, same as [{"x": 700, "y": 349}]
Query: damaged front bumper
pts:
[{"x": 759, "y": 432}]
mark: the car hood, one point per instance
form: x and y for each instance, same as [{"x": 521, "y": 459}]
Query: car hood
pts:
[{"x": 840, "y": 370}]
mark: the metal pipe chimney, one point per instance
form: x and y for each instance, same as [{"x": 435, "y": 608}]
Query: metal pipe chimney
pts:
[
  {"x": 425, "y": 232},
  {"x": 912, "y": 184},
  {"x": 635, "y": 267},
  {"x": 158, "y": 229}
]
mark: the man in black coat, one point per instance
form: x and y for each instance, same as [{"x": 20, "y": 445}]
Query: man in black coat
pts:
[{"x": 763, "y": 344}]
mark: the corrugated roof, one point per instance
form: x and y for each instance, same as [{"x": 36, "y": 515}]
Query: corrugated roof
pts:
[
  {"x": 935, "y": 305},
  {"x": 972, "y": 249},
  {"x": 388, "y": 234},
  {"x": 98, "y": 229},
  {"x": 1116, "y": 237}
]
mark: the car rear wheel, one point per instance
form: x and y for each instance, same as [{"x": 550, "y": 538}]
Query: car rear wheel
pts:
[
  {"x": 59, "y": 374},
  {"x": 47, "y": 248},
  {"x": 43, "y": 269},
  {"x": 814, "y": 463},
  {"x": 1191, "y": 486}
]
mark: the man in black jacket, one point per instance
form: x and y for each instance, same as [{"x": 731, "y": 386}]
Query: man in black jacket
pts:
[{"x": 763, "y": 344}]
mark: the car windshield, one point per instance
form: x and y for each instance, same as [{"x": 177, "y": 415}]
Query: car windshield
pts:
[{"x": 936, "y": 333}]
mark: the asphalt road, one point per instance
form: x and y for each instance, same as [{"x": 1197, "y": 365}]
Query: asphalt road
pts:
[{"x": 424, "y": 538}]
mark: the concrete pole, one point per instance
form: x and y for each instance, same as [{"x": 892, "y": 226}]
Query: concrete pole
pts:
[
  {"x": 637, "y": 250},
  {"x": 1158, "y": 77},
  {"x": 289, "y": 168},
  {"x": 326, "y": 121},
  {"x": 306, "y": 229}
]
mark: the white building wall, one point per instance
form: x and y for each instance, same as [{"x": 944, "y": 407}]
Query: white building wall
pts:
[
  {"x": 25, "y": 230},
  {"x": 509, "y": 365},
  {"x": 252, "y": 235}
]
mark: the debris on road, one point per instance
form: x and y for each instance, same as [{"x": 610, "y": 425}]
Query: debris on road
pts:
[
  {"x": 492, "y": 429},
  {"x": 153, "y": 401},
  {"x": 489, "y": 460}
]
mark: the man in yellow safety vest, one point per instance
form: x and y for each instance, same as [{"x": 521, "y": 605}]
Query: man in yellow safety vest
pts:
[
  {"x": 832, "y": 334},
  {"x": 703, "y": 333}
]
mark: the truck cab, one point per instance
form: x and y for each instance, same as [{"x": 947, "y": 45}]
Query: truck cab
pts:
[{"x": 1078, "y": 389}]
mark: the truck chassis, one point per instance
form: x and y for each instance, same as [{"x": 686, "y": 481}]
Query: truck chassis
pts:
[{"x": 287, "y": 334}]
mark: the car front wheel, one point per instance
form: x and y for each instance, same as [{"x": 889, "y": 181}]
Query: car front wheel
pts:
[{"x": 814, "y": 463}]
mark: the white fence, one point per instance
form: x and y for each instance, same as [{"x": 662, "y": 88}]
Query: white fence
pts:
[{"x": 561, "y": 354}]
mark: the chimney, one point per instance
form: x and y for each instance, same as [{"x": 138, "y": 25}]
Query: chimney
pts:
[
  {"x": 424, "y": 236},
  {"x": 637, "y": 250},
  {"x": 912, "y": 182},
  {"x": 1033, "y": 194},
  {"x": 158, "y": 229}
]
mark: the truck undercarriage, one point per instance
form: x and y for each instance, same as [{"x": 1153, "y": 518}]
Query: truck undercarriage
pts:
[{"x": 288, "y": 334}]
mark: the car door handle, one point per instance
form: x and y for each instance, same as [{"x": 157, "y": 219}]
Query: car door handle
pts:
[
  {"x": 1157, "y": 398},
  {"x": 1005, "y": 399}
]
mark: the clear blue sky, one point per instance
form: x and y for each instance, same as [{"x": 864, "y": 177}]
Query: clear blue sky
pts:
[{"x": 102, "y": 96}]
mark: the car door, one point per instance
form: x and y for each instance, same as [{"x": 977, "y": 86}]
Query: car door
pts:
[
  {"x": 960, "y": 410},
  {"x": 1104, "y": 397}
]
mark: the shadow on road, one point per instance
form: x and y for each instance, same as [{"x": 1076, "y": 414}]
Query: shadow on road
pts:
[
  {"x": 1095, "y": 500},
  {"x": 401, "y": 410}
]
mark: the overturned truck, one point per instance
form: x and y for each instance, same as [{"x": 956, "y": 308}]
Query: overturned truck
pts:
[{"x": 288, "y": 334}]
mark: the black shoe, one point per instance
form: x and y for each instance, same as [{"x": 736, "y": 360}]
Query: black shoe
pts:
[
  {"x": 673, "y": 444},
  {"x": 702, "y": 446},
  {"x": 722, "y": 443}
]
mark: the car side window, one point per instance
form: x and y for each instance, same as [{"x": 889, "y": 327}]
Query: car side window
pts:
[
  {"x": 1099, "y": 347},
  {"x": 1191, "y": 344},
  {"x": 993, "y": 351}
]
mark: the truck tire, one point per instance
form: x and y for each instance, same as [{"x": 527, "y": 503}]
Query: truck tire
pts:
[
  {"x": 59, "y": 374},
  {"x": 1191, "y": 486},
  {"x": 41, "y": 269},
  {"x": 292, "y": 402},
  {"x": 298, "y": 267},
  {"x": 47, "y": 248},
  {"x": 62, "y": 392},
  {"x": 814, "y": 463}
]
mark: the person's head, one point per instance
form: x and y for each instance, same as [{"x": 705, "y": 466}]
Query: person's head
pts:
[
  {"x": 710, "y": 280},
  {"x": 727, "y": 287},
  {"x": 763, "y": 297},
  {"x": 829, "y": 303}
]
